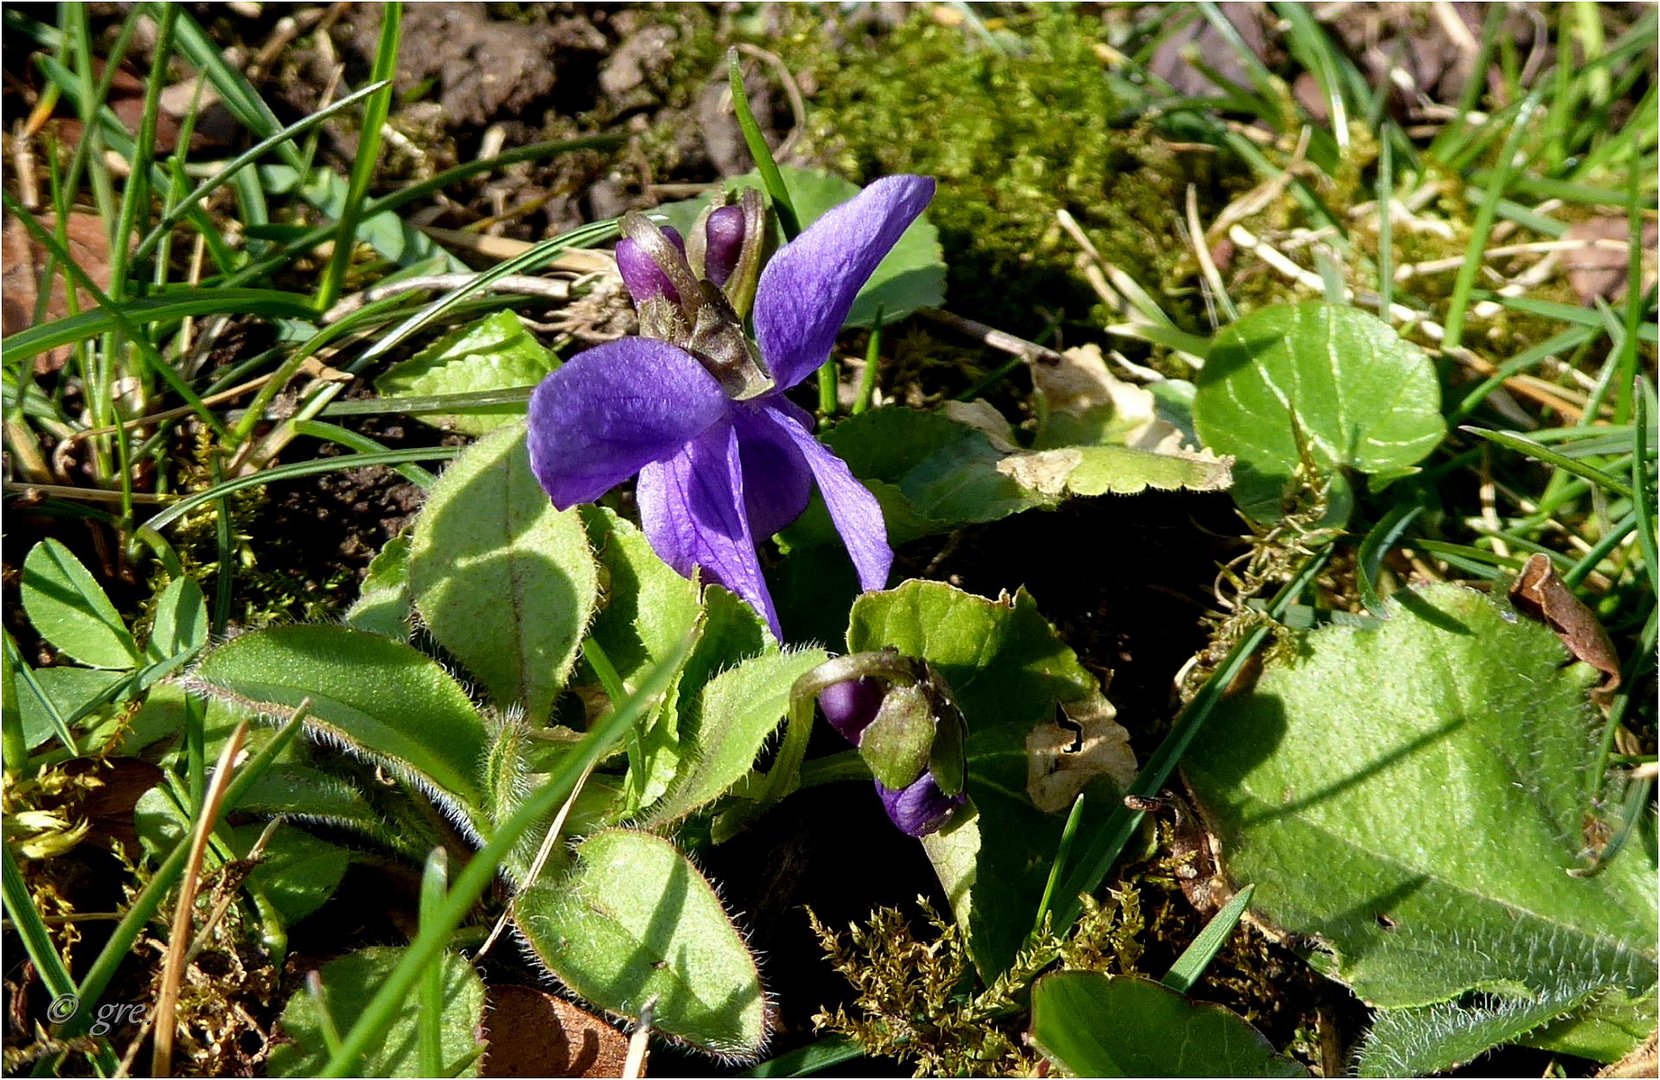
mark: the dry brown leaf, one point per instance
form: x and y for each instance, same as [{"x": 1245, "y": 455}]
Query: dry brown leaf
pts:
[
  {"x": 1064, "y": 758},
  {"x": 25, "y": 260},
  {"x": 534, "y": 1033},
  {"x": 1543, "y": 596}
]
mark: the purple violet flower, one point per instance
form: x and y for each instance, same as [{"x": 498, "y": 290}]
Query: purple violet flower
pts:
[
  {"x": 921, "y": 807},
  {"x": 724, "y": 458}
]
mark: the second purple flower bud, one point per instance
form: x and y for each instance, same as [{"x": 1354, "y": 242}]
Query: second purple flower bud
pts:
[{"x": 900, "y": 715}]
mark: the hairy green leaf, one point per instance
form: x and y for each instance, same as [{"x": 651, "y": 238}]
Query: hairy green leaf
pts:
[
  {"x": 730, "y": 723},
  {"x": 1434, "y": 770},
  {"x": 502, "y": 579},
  {"x": 635, "y": 920},
  {"x": 375, "y": 697},
  {"x": 1435, "y": 1038},
  {"x": 383, "y": 603}
]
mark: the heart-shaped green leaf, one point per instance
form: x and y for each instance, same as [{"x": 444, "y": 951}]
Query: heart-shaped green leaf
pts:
[
  {"x": 495, "y": 353},
  {"x": 1333, "y": 381},
  {"x": 1092, "y": 1025},
  {"x": 1016, "y": 682}
]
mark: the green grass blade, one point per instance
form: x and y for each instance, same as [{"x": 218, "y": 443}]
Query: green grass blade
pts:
[
  {"x": 771, "y": 178},
  {"x": 167, "y": 307},
  {"x": 353, "y": 440},
  {"x": 393, "y": 200},
  {"x": 1551, "y": 457},
  {"x": 1063, "y": 850},
  {"x": 234, "y": 89},
  {"x": 586, "y": 236},
  {"x": 298, "y": 469},
  {"x": 1102, "y": 849},
  {"x": 135, "y": 197},
  {"x": 375, "y": 112},
  {"x": 1190, "y": 967},
  {"x": 190, "y": 202},
  {"x": 425, "y": 404},
  {"x": 1377, "y": 544},
  {"x": 37, "y": 940},
  {"x": 430, "y": 1024},
  {"x": 1642, "y": 489},
  {"x": 809, "y": 1059},
  {"x": 480, "y": 870},
  {"x": 118, "y": 313},
  {"x": 1482, "y": 228}
]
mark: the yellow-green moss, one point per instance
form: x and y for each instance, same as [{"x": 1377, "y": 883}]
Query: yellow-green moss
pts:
[{"x": 1012, "y": 137}]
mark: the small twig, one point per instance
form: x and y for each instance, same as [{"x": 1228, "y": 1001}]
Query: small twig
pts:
[
  {"x": 1489, "y": 507},
  {"x": 228, "y": 896},
  {"x": 81, "y": 494},
  {"x": 542, "y": 855},
  {"x": 502, "y": 248},
  {"x": 552, "y": 289},
  {"x": 792, "y": 93},
  {"x": 172, "y": 972},
  {"x": 634, "y": 1065},
  {"x": 1201, "y": 252},
  {"x": 992, "y": 338}
]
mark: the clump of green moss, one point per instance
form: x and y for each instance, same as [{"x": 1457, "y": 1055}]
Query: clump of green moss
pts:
[
  {"x": 1013, "y": 137},
  {"x": 915, "y": 999}
]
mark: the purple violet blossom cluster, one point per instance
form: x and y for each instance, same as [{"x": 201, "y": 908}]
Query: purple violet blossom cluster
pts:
[{"x": 698, "y": 410}]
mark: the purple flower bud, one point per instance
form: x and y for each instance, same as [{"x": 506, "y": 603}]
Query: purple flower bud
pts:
[
  {"x": 641, "y": 274},
  {"x": 920, "y": 808},
  {"x": 850, "y": 706},
  {"x": 723, "y": 232}
]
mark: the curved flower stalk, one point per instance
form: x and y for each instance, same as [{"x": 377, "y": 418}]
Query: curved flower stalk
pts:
[{"x": 698, "y": 410}]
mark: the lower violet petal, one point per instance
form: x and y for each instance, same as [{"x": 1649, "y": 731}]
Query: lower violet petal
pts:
[
  {"x": 691, "y": 510},
  {"x": 855, "y": 511}
]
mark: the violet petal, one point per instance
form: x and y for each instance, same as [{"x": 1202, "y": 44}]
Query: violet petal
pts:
[
  {"x": 777, "y": 482},
  {"x": 854, "y": 510},
  {"x": 850, "y": 706},
  {"x": 809, "y": 286},
  {"x": 691, "y": 512},
  {"x": 613, "y": 409},
  {"x": 921, "y": 808}
]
